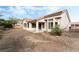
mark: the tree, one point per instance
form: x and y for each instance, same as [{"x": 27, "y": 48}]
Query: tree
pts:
[
  {"x": 1, "y": 20},
  {"x": 10, "y": 23},
  {"x": 7, "y": 24},
  {"x": 13, "y": 20}
]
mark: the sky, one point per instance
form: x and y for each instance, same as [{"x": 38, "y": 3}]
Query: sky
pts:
[{"x": 37, "y": 11}]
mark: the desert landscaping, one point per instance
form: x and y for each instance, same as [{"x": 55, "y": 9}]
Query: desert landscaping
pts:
[
  {"x": 51, "y": 32},
  {"x": 19, "y": 40}
]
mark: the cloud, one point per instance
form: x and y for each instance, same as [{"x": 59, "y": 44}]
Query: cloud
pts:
[
  {"x": 28, "y": 11},
  {"x": 2, "y": 10},
  {"x": 53, "y": 7}
]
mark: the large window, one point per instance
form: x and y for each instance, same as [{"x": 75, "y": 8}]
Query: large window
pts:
[
  {"x": 25, "y": 25},
  {"x": 50, "y": 25},
  {"x": 56, "y": 23},
  {"x": 58, "y": 18},
  {"x": 43, "y": 25},
  {"x": 33, "y": 25},
  {"x": 50, "y": 19},
  {"x": 77, "y": 25},
  {"x": 28, "y": 25}
]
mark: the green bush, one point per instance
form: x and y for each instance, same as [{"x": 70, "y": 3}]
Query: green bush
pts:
[
  {"x": 56, "y": 31},
  {"x": 8, "y": 25}
]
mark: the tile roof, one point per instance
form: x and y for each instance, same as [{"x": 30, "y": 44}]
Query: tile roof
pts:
[
  {"x": 29, "y": 20},
  {"x": 52, "y": 14}
]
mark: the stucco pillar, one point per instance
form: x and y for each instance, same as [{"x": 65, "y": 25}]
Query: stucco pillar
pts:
[
  {"x": 37, "y": 27},
  {"x": 53, "y": 22},
  {"x": 30, "y": 26},
  {"x": 47, "y": 25},
  {"x": 42, "y": 26}
]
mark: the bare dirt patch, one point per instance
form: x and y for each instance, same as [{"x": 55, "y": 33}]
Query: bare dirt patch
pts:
[{"x": 17, "y": 40}]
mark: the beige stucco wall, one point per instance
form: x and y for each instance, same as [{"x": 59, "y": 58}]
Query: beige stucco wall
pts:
[
  {"x": 30, "y": 27},
  {"x": 64, "y": 22}
]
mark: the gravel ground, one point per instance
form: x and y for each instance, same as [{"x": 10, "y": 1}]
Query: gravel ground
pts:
[{"x": 18, "y": 40}]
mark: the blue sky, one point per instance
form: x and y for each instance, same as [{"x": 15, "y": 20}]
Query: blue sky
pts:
[{"x": 37, "y": 11}]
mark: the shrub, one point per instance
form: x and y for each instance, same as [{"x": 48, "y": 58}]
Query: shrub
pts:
[
  {"x": 7, "y": 24},
  {"x": 56, "y": 31}
]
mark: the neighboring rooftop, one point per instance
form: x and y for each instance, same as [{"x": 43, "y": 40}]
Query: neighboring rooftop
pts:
[{"x": 75, "y": 23}]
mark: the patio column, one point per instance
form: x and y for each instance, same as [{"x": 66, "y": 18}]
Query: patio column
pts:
[
  {"x": 47, "y": 25},
  {"x": 37, "y": 26},
  {"x": 30, "y": 26},
  {"x": 42, "y": 26},
  {"x": 53, "y": 22}
]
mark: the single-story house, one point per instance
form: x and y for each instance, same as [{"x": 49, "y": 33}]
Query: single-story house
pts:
[
  {"x": 45, "y": 23},
  {"x": 75, "y": 25}
]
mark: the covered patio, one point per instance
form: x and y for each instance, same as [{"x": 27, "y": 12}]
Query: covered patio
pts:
[{"x": 40, "y": 25}]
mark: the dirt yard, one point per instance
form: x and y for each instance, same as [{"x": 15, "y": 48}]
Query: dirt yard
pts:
[{"x": 18, "y": 40}]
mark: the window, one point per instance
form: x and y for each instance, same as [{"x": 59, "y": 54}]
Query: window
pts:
[
  {"x": 77, "y": 25},
  {"x": 50, "y": 25},
  {"x": 72, "y": 25},
  {"x": 33, "y": 25},
  {"x": 45, "y": 20},
  {"x": 43, "y": 25},
  {"x": 56, "y": 23},
  {"x": 28, "y": 25},
  {"x": 25, "y": 25},
  {"x": 58, "y": 18},
  {"x": 50, "y": 19}
]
